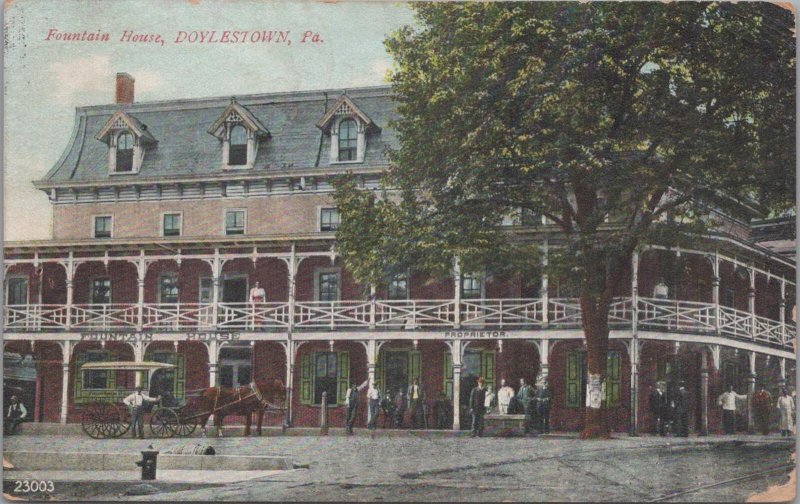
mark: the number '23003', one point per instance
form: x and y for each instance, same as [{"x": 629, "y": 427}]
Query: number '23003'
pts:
[{"x": 26, "y": 486}]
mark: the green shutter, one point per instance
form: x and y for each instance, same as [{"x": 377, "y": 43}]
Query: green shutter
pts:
[
  {"x": 573, "y": 380},
  {"x": 448, "y": 374},
  {"x": 414, "y": 366},
  {"x": 342, "y": 375},
  {"x": 613, "y": 378},
  {"x": 487, "y": 368},
  {"x": 305, "y": 378},
  {"x": 78, "y": 393}
]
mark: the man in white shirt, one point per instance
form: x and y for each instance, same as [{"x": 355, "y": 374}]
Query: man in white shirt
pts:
[
  {"x": 16, "y": 413},
  {"x": 137, "y": 401},
  {"x": 504, "y": 397},
  {"x": 728, "y": 402},
  {"x": 373, "y": 405}
]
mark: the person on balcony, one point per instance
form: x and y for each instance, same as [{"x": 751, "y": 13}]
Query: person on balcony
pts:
[
  {"x": 257, "y": 294},
  {"x": 661, "y": 290},
  {"x": 786, "y": 407},
  {"x": 136, "y": 402},
  {"x": 728, "y": 402},
  {"x": 504, "y": 397},
  {"x": 477, "y": 399},
  {"x": 15, "y": 416}
]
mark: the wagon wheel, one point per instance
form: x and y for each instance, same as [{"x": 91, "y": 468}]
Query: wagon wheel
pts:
[
  {"x": 186, "y": 426},
  {"x": 98, "y": 420},
  {"x": 164, "y": 422}
]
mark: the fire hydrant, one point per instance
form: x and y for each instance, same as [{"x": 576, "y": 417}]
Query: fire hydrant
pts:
[{"x": 148, "y": 464}]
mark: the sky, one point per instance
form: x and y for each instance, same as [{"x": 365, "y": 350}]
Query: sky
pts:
[{"x": 44, "y": 80}]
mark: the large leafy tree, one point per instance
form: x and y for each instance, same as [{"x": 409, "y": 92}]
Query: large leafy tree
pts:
[{"x": 611, "y": 119}]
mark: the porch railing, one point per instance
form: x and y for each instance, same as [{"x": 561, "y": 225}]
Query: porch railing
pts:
[{"x": 666, "y": 315}]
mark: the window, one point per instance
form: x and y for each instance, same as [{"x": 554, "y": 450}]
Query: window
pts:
[
  {"x": 101, "y": 291},
  {"x": 729, "y": 297},
  {"x": 124, "y": 153},
  {"x": 102, "y": 226},
  {"x": 471, "y": 286},
  {"x": 398, "y": 287},
  {"x": 95, "y": 378},
  {"x": 234, "y": 222},
  {"x": 168, "y": 288},
  {"x": 206, "y": 295},
  {"x": 328, "y": 286},
  {"x": 328, "y": 219},
  {"x": 237, "y": 155},
  {"x": 235, "y": 366},
  {"x": 17, "y": 291},
  {"x": 325, "y": 377},
  {"x": 348, "y": 135},
  {"x": 171, "y": 224}
]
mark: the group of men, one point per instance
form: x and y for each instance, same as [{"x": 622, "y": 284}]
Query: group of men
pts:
[
  {"x": 670, "y": 411},
  {"x": 394, "y": 408},
  {"x": 533, "y": 403}
]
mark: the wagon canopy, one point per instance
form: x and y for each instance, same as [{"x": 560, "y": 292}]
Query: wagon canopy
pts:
[{"x": 126, "y": 366}]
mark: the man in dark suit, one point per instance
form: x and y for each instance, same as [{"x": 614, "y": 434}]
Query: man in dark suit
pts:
[
  {"x": 416, "y": 399},
  {"x": 543, "y": 407},
  {"x": 658, "y": 409},
  {"x": 682, "y": 410},
  {"x": 351, "y": 403},
  {"x": 477, "y": 398},
  {"x": 525, "y": 399}
]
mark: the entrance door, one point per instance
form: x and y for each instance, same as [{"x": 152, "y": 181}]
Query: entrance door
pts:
[
  {"x": 396, "y": 372},
  {"x": 234, "y": 290}
]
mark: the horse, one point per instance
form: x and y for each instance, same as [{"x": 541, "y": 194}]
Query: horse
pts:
[{"x": 242, "y": 400}]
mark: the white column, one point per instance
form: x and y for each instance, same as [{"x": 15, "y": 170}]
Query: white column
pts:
[
  {"x": 715, "y": 280},
  {"x": 704, "y": 393},
  {"x": 782, "y": 382},
  {"x": 751, "y": 390},
  {"x": 544, "y": 360},
  {"x": 457, "y": 293},
  {"x": 216, "y": 267},
  {"x": 751, "y": 302},
  {"x": 633, "y": 355},
  {"x": 70, "y": 274},
  {"x": 544, "y": 290},
  {"x": 289, "y": 346},
  {"x": 66, "y": 354},
  {"x": 782, "y": 314},
  {"x": 138, "y": 356},
  {"x": 456, "y": 396},
  {"x": 213, "y": 354},
  {"x": 141, "y": 272},
  {"x": 372, "y": 347},
  {"x": 635, "y": 293},
  {"x": 292, "y": 287}
]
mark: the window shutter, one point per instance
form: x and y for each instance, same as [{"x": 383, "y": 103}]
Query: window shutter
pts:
[
  {"x": 180, "y": 376},
  {"x": 573, "y": 381},
  {"x": 487, "y": 369},
  {"x": 414, "y": 366},
  {"x": 448, "y": 374},
  {"x": 79, "y": 360},
  {"x": 305, "y": 378},
  {"x": 613, "y": 382},
  {"x": 342, "y": 376}
]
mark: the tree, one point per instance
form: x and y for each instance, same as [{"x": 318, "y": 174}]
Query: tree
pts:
[{"x": 611, "y": 119}]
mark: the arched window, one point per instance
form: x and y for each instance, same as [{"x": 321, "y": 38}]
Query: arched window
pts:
[
  {"x": 348, "y": 132},
  {"x": 124, "y": 152},
  {"x": 237, "y": 155}
]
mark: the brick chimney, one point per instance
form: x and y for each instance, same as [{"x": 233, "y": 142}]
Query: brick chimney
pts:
[{"x": 124, "y": 88}]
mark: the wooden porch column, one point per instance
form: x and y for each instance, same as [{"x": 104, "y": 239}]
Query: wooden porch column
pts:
[
  {"x": 544, "y": 291},
  {"x": 704, "y": 393},
  {"x": 782, "y": 381},
  {"x": 751, "y": 390},
  {"x": 456, "y": 350},
  {"x": 66, "y": 354},
  {"x": 70, "y": 270},
  {"x": 457, "y": 296},
  {"x": 782, "y": 314},
  {"x": 715, "y": 292},
  {"x": 216, "y": 267},
  {"x": 141, "y": 272},
  {"x": 751, "y": 303}
]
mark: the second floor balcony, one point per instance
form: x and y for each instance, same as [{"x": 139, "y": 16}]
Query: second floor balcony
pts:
[{"x": 662, "y": 315}]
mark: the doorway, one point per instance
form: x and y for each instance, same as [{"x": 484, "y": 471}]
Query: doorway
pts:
[
  {"x": 234, "y": 289},
  {"x": 396, "y": 372}
]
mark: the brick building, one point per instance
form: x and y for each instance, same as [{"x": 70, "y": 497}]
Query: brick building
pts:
[{"x": 167, "y": 214}]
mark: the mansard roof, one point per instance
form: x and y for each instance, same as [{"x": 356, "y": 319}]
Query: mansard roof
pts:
[{"x": 185, "y": 148}]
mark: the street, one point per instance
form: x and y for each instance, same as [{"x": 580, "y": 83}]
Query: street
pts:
[{"x": 419, "y": 468}]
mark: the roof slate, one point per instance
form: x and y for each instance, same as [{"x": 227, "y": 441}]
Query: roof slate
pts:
[{"x": 185, "y": 148}]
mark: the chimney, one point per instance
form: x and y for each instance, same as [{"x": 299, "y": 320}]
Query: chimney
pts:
[{"x": 124, "y": 88}]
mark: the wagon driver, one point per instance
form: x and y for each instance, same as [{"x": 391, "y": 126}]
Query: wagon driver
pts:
[{"x": 136, "y": 401}]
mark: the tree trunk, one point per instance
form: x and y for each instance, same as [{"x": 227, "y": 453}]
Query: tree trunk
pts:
[{"x": 594, "y": 315}]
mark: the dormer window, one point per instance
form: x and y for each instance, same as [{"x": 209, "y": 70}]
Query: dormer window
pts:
[
  {"x": 239, "y": 131},
  {"x": 348, "y": 127},
  {"x": 348, "y": 131},
  {"x": 127, "y": 139},
  {"x": 124, "y": 152}
]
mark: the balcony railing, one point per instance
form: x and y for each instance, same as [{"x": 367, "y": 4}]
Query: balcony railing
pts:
[{"x": 652, "y": 314}]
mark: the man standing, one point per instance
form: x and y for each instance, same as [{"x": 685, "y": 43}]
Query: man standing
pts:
[
  {"x": 682, "y": 411},
  {"x": 136, "y": 402},
  {"x": 441, "y": 411},
  {"x": 373, "y": 404},
  {"x": 543, "y": 406},
  {"x": 416, "y": 399},
  {"x": 16, "y": 414},
  {"x": 525, "y": 398},
  {"x": 504, "y": 397},
  {"x": 351, "y": 405},
  {"x": 728, "y": 402},
  {"x": 477, "y": 398},
  {"x": 658, "y": 408}
]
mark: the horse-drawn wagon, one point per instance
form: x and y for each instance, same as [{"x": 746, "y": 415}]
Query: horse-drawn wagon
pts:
[{"x": 169, "y": 417}]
